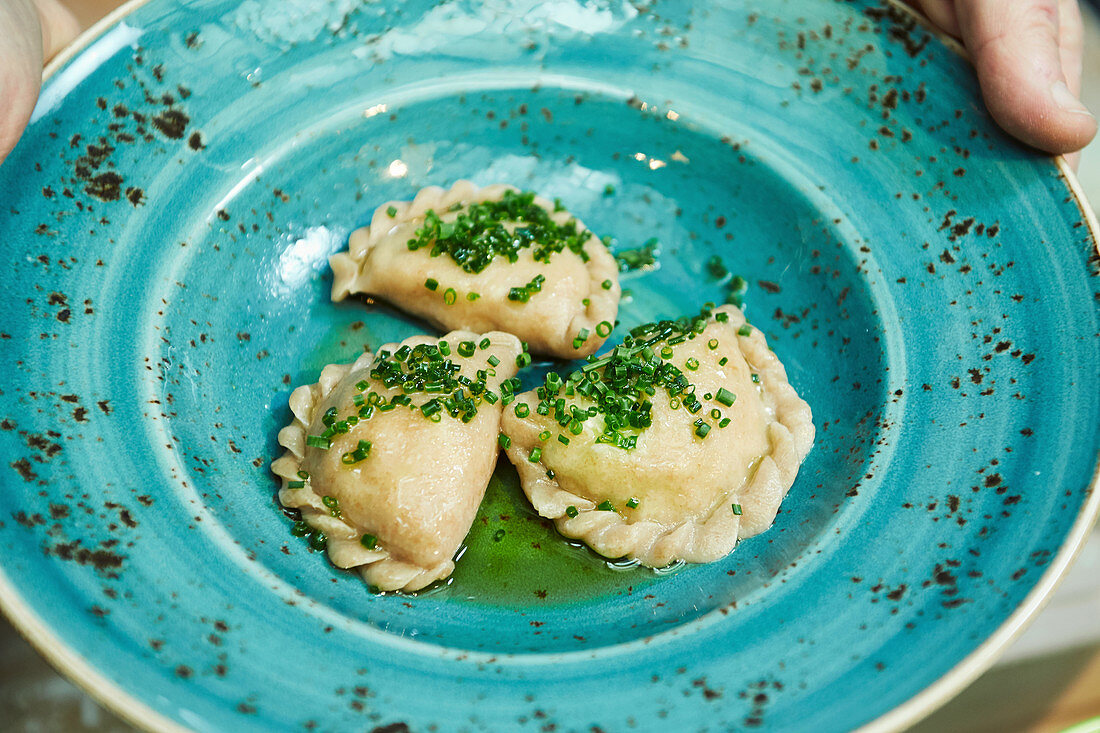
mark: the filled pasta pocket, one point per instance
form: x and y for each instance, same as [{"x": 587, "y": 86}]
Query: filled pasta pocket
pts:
[
  {"x": 682, "y": 439},
  {"x": 484, "y": 259},
  {"x": 388, "y": 458}
]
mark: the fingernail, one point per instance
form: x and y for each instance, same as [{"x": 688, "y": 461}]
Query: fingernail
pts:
[{"x": 1064, "y": 98}]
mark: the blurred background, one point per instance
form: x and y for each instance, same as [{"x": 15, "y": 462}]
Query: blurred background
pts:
[{"x": 1048, "y": 680}]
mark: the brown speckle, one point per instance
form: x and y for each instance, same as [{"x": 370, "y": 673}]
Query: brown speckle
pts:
[
  {"x": 23, "y": 468},
  {"x": 105, "y": 186},
  {"x": 171, "y": 123}
]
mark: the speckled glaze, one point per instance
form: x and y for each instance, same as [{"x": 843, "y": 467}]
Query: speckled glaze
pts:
[{"x": 931, "y": 286}]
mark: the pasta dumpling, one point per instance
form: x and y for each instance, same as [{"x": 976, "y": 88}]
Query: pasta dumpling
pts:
[
  {"x": 671, "y": 447},
  {"x": 485, "y": 259},
  {"x": 389, "y": 457}
]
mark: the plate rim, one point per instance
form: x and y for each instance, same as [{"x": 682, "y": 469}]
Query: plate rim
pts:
[{"x": 135, "y": 711}]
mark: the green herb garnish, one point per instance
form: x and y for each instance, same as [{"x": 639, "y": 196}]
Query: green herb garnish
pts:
[
  {"x": 479, "y": 233},
  {"x": 645, "y": 257}
]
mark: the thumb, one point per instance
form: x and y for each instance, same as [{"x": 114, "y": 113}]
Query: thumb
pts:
[
  {"x": 27, "y": 30},
  {"x": 59, "y": 26},
  {"x": 1015, "y": 47},
  {"x": 20, "y": 68}
]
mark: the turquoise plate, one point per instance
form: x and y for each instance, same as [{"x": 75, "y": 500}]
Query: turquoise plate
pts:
[{"x": 931, "y": 285}]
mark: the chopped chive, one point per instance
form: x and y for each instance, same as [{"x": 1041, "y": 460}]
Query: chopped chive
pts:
[
  {"x": 724, "y": 422},
  {"x": 603, "y": 329},
  {"x": 756, "y": 379},
  {"x": 431, "y": 283},
  {"x": 744, "y": 330},
  {"x": 725, "y": 396},
  {"x": 444, "y": 348},
  {"x": 723, "y": 361},
  {"x": 472, "y": 296},
  {"x": 369, "y": 541},
  {"x": 666, "y": 352},
  {"x": 299, "y": 529},
  {"x": 717, "y": 268},
  {"x": 544, "y": 436},
  {"x": 391, "y": 211},
  {"x": 609, "y": 190},
  {"x": 716, "y": 414},
  {"x": 303, "y": 474},
  {"x": 522, "y": 409},
  {"x": 721, "y": 317},
  {"x": 450, "y": 296},
  {"x": 316, "y": 441},
  {"x": 712, "y": 344},
  {"x": 606, "y": 506},
  {"x": 493, "y": 361},
  {"x": 737, "y": 509},
  {"x": 571, "y": 511},
  {"x": 484, "y": 343},
  {"x": 523, "y": 360},
  {"x": 692, "y": 363},
  {"x": 536, "y": 455},
  {"x": 295, "y": 484},
  {"x": 702, "y": 429},
  {"x": 329, "y": 417},
  {"x": 633, "y": 503},
  {"x": 504, "y": 441},
  {"x": 606, "y": 285},
  {"x": 550, "y": 473},
  {"x": 466, "y": 348}
]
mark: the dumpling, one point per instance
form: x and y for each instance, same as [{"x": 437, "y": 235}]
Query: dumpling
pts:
[
  {"x": 670, "y": 447},
  {"x": 390, "y": 456},
  {"x": 486, "y": 259}
]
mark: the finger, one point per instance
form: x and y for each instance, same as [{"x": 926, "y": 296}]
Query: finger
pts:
[
  {"x": 1015, "y": 47},
  {"x": 20, "y": 69},
  {"x": 1071, "y": 43},
  {"x": 941, "y": 13},
  {"x": 59, "y": 26}
]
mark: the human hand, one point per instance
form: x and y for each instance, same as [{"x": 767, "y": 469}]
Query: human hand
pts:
[
  {"x": 30, "y": 31},
  {"x": 1028, "y": 57}
]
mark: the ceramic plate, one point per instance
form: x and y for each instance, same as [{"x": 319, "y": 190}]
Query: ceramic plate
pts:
[{"x": 931, "y": 286}]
